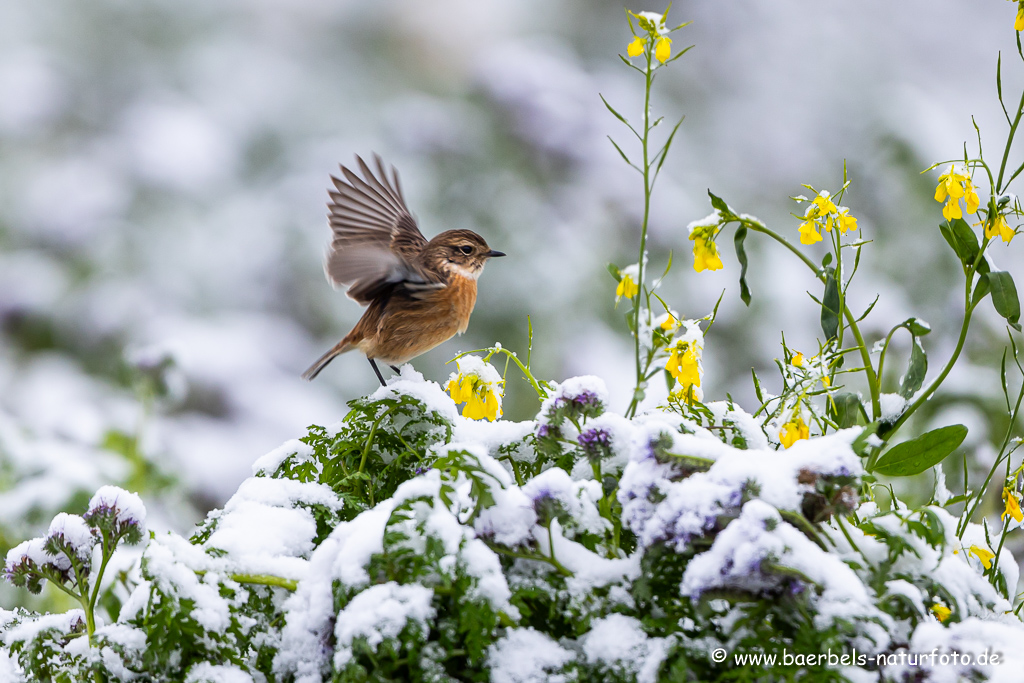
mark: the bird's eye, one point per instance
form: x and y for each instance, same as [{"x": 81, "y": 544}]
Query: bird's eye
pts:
[{"x": 466, "y": 249}]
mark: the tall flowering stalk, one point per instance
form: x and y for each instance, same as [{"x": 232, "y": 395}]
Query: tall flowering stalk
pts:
[{"x": 653, "y": 44}]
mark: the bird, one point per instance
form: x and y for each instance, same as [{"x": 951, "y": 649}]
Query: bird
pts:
[{"x": 418, "y": 293}]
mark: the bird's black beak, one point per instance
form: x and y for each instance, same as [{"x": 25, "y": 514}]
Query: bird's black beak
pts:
[{"x": 494, "y": 254}]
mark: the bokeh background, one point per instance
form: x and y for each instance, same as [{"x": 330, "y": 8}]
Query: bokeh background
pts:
[{"x": 163, "y": 168}]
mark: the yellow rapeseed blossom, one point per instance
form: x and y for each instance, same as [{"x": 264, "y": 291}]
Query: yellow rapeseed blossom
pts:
[
  {"x": 941, "y": 612},
  {"x": 1012, "y": 506},
  {"x": 793, "y": 431},
  {"x": 809, "y": 232},
  {"x": 998, "y": 227},
  {"x": 663, "y": 49},
  {"x": 952, "y": 186},
  {"x": 669, "y": 322},
  {"x": 797, "y": 359},
  {"x": 684, "y": 363},
  {"x": 636, "y": 48},
  {"x": 627, "y": 288},
  {"x": 1018, "y": 25},
  {"x": 983, "y": 554},
  {"x": 705, "y": 255},
  {"x": 479, "y": 386},
  {"x": 846, "y": 221}
]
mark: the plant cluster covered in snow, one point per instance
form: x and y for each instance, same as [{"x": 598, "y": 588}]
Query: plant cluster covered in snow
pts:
[{"x": 409, "y": 543}]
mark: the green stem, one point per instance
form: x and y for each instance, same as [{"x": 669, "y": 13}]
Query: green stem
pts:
[
  {"x": 1009, "y": 143},
  {"x": 851, "y": 319},
  {"x": 531, "y": 556},
  {"x": 266, "y": 580},
  {"x": 648, "y": 74}
]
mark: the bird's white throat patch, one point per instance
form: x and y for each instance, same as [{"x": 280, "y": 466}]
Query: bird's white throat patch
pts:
[{"x": 464, "y": 271}]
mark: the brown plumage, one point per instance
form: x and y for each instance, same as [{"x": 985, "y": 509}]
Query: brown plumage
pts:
[{"x": 419, "y": 293}]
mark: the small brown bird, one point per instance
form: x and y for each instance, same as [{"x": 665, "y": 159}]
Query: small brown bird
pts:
[{"x": 419, "y": 293}]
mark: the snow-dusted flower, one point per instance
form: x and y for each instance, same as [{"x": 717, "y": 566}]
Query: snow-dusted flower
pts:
[
  {"x": 117, "y": 512},
  {"x": 705, "y": 251},
  {"x": 797, "y": 360},
  {"x": 941, "y": 612},
  {"x": 26, "y": 560},
  {"x": 793, "y": 431},
  {"x": 69, "y": 534},
  {"x": 628, "y": 286},
  {"x": 684, "y": 362},
  {"x": 983, "y": 554},
  {"x": 823, "y": 212},
  {"x": 479, "y": 386},
  {"x": 954, "y": 185}
]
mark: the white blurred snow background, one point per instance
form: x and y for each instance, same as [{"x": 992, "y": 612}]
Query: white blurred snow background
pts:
[{"x": 163, "y": 168}]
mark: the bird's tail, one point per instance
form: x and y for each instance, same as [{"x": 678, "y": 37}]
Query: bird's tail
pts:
[{"x": 321, "y": 362}]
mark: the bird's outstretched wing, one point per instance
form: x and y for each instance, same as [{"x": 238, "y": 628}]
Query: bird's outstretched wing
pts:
[{"x": 376, "y": 239}]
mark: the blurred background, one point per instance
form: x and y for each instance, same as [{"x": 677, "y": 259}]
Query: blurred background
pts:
[{"x": 163, "y": 174}]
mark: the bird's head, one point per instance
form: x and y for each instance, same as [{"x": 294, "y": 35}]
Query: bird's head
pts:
[{"x": 460, "y": 251}]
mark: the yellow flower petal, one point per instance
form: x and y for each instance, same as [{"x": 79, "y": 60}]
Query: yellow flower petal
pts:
[
  {"x": 1019, "y": 24},
  {"x": 797, "y": 359},
  {"x": 1012, "y": 506},
  {"x": 971, "y": 200},
  {"x": 941, "y": 612},
  {"x": 627, "y": 288},
  {"x": 983, "y": 554},
  {"x": 940, "y": 192},
  {"x": 952, "y": 210},
  {"x": 663, "y": 50},
  {"x": 809, "y": 233},
  {"x": 636, "y": 48},
  {"x": 794, "y": 431}
]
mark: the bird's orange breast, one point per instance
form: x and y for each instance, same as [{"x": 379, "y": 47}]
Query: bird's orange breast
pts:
[{"x": 410, "y": 327}]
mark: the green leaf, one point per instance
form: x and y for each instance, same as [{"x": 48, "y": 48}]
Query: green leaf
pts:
[
  {"x": 1004, "y": 296},
  {"x": 617, "y": 115},
  {"x": 615, "y": 271},
  {"x": 830, "y": 306},
  {"x": 847, "y": 410},
  {"x": 918, "y": 368},
  {"x": 827, "y": 261},
  {"x": 918, "y": 328},
  {"x": 917, "y": 455},
  {"x": 720, "y": 204},
  {"x": 962, "y": 239},
  {"x": 741, "y": 255}
]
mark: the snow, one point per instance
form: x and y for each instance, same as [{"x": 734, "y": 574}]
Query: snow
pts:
[
  {"x": 64, "y": 622},
  {"x": 710, "y": 221},
  {"x": 892, "y": 406},
  {"x": 379, "y": 612},
  {"x": 205, "y": 672},
  {"x": 127, "y": 507},
  {"x": 74, "y": 532},
  {"x": 618, "y": 641},
  {"x": 411, "y": 383},
  {"x": 525, "y": 655},
  {"x": 269, "y": 463}
]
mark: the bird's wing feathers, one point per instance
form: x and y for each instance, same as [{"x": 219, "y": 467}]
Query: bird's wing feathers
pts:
[{"x": 376, "y": 239}]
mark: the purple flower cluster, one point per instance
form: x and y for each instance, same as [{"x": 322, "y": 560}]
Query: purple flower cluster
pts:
[{"x": 596, "y": 444}]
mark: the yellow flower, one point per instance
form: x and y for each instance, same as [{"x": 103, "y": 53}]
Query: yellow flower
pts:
[
  {"x": 971, "y": 198},
  {"x": 809, "y": 232},
  {"x": 824, "y": 203},
  {"x": 1012, "y": 506},
  {"x": 478, "y": 385},
  {"x": 793, "y": 431},
  {"x": 950, "y": 183},
  {"x": 663, "y": 50},
  {"x": 999, "y": 227},
  {"x": 952, "y": 210},
  {"x": 684, "y": 363},
  {"x": 627, "y": 288},
  {"x": 941, "y": 612},
  {"x": 797, "y": 359},
  {"x": 1019, "y": 24},
  {"x": 669, "y": 322},
  {"x": 705, "y": 255},
  {"x": 846, "y": 221},
  {"x": 636, "y": 48},
  {"x": 983, "y": 554}
]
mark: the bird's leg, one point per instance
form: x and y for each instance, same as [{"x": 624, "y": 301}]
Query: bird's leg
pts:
[
  {"x": 397, "y": 371},
  {"x": 376, "y": 370}
]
